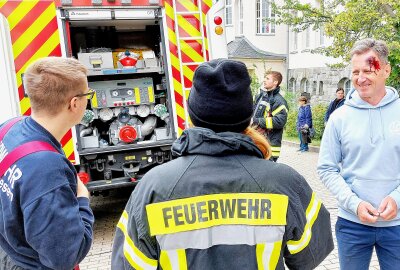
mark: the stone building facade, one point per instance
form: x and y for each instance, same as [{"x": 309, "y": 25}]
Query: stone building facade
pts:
[{"x": 321, "y": 83}]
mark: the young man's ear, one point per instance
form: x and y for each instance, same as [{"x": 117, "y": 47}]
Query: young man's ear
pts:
[{"x": 73, "y": 104}]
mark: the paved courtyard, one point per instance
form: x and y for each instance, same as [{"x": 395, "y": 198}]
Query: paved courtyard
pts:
[{"x": 108, "y": 209}]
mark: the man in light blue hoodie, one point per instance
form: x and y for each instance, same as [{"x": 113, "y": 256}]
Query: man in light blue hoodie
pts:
[{"x": 359, "y": 162}]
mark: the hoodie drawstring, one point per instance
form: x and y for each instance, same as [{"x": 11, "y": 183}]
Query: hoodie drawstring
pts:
[
  {"x": 382, "y": 127},
  {"x": 370, "y": 126},
  {"x": 371, "y": 132}
]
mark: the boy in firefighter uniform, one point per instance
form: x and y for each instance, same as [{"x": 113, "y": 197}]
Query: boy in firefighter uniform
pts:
[
  {"x": 222, "y": 204},
  {"x": 46, "y": 220},
  {"x": 270, "y": 112}
]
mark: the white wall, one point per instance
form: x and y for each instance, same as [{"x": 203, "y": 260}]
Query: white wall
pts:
[
  {"x": 302, "y": 57},
  {"x": 9, "y": 102},
  {"x": 260, "y": 67},
  {"x": 275, "y": 43}
]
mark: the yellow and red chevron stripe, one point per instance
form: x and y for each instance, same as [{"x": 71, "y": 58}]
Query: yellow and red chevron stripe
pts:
[
  {"x": 106, "y": 3},
  {"x": 189, "y": 25},
  {"x": 34, "y": 34}
]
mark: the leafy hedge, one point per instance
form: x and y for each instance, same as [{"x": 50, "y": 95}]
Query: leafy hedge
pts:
[
  {"x": 290, "y": 127},
  {"x": 318, "y": 113}
]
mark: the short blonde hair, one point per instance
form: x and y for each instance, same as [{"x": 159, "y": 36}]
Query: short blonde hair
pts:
[
  {"x": 51, "y": 82},
  {"x": 277, "y": 76}
]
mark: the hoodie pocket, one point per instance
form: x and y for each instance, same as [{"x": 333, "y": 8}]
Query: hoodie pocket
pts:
[{"x": 373, "y": 190}]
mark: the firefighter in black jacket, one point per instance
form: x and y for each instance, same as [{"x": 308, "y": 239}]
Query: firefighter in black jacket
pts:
[
  {"x": 270, "y": 112},
  {"x": 221, "y": 205}
]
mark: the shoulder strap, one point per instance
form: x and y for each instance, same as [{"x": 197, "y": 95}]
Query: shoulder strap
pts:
[
  {"x": 22, "y": 151},
  {"x": 8, "y": 125}
]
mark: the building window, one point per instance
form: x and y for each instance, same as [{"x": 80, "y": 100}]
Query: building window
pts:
[
  {"x": 321, "y": 36},
  {"x": 263, "y": 13},
  {"x": 228, "y": 12},
  {"x": 304, "y": 85},
  {"x": 345, "y": 83},
  {"x": 292, "y": 85},
  {"x": 347, "y": 86},
  {"x": 240, "y": 17},
  {"x": 294, "y": 41},
  {"x": 321, "y": 88},
  {"x": 314, "y": 88},
  {"x": 306, "y": 38}
]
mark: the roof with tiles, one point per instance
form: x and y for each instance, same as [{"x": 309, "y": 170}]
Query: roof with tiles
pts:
[{"x": 241, "y": 47}]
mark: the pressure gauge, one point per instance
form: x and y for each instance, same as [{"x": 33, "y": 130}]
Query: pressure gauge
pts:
[
  {"x": 132, "y": 110},
  {"x": 106, "y": 114},
  {"x": 143, "y": 110},
  {"x": 115, "y": 93},
  {"x": 116, "y": 110},
  {"x": 129, "y": 92}
]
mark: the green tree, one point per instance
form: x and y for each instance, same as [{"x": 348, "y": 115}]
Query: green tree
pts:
[
  {"x": 346, "y": 21},
  {"x": 255, "y": 84}
]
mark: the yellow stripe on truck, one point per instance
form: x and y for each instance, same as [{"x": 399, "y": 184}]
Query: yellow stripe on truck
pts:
[
  {"x": 31, "y": 33},
  {"x": 19, "y": 13}
]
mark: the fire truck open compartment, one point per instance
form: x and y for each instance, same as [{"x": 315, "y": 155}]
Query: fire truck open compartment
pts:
[{"x": 127, "y": 127}]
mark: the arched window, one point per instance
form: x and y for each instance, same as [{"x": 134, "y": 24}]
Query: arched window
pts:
[
  {"x": 292, "y": 85},
  {"x": 345, "y": 83},
  {"x": 314, "y": 88},
  {"x": 321, "y": 88},
  {"x": 304, "y": 85},
  {"x": 347, "y": 86}
]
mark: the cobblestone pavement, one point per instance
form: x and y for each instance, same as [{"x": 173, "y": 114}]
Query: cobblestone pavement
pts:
[{"x": 107, "y": 211}]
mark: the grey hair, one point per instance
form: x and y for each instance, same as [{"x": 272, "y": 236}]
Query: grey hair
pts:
[{"x": 369, "y": 44}]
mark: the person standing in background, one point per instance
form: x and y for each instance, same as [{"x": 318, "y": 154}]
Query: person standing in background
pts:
[
  {"x": 304, "y": 123},
  {"x": 359, "y": 162},
  {"x": 336, "y": 103},
  {"x": 270, "y": 112}
]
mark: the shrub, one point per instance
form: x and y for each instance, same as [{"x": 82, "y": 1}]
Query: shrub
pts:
[
  {"x": 255, "y": 85},
  {"x": 290, "y": 127},
  {"x": 318, "y": 113},
  {"x": 291, "y": 99}
]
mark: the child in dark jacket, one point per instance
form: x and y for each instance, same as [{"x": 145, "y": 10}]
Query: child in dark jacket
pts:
[{"x": 304, "y": 123}]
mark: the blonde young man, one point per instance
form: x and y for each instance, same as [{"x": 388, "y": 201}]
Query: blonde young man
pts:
[
  {"x": 359, "y": 162},
  {"x": 45, "y": 218},
  {"x": 270, "y": 112}
]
